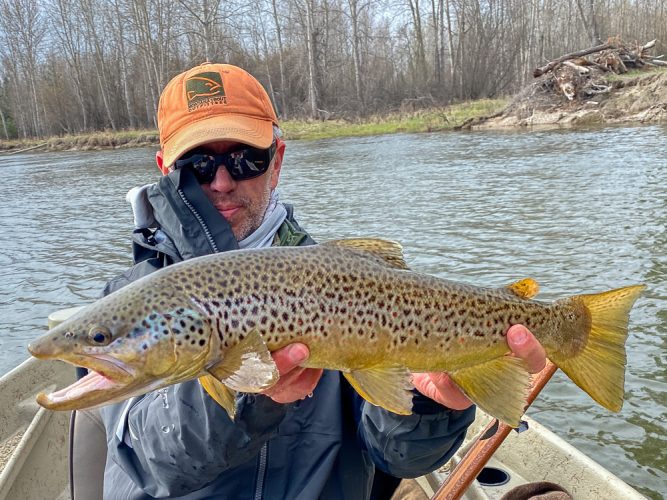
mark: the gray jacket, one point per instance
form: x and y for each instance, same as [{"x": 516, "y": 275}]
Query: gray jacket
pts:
[{"x": 179, "y": 443}]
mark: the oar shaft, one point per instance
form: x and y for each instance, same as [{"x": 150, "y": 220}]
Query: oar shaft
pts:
[{"x": 486, "y": 445}]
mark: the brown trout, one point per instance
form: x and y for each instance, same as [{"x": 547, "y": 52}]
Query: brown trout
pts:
[{"x": 357, "y": 307}]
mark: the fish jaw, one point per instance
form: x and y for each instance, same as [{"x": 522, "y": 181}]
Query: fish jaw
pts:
[{"x": 109, "y": 379}]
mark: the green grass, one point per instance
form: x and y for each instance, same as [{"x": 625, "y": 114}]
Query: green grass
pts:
[
  {"x": 634, "y": 73},
  {"x": 426, "y": 120}
]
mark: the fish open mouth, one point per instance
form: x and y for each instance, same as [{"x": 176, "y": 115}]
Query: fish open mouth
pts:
[{"x": 108, "y": 381}]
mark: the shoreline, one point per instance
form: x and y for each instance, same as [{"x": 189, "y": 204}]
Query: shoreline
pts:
[
  {"x": 422, "y": 120},
  {"x": 635, "y": 97}
]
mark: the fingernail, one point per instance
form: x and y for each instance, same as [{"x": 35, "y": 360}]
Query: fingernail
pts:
[{"x": 298, "y": 353}]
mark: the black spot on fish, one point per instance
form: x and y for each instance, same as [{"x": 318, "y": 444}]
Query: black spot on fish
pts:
[{"x": 202, "y": 342}]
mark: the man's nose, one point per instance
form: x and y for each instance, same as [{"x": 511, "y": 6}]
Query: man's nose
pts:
[{"x": 222, "y": 181}]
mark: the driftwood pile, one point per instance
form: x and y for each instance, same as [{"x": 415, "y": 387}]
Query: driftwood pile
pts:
[{"x": 581, "y": 75}]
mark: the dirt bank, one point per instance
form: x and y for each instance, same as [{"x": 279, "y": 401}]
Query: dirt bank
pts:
[{"x": 631, "y": 98}]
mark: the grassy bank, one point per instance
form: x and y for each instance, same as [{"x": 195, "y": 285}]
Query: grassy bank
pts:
[{"x": 426, "y": 120}]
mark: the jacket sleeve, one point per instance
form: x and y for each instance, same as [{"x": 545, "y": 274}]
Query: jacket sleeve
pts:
[
  {"x": 176, "y": 440},
  {"x": 413, "y": 445}
]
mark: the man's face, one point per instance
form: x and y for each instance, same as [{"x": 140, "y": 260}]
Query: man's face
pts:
[{"x": 242, "y": 203}]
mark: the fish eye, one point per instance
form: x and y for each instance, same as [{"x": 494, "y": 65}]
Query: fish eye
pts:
[{"x": 99, "y": 335}]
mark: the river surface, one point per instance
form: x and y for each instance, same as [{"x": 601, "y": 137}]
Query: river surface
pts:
[{"x": 579, "y": 211}]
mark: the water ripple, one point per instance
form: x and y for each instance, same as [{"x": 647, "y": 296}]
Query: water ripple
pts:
[{"x": 579, "y": 211}]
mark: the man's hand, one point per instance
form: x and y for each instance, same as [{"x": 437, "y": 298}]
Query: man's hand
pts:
[
  {"x": 439, "y": 387},
  {"x": 295, "y": 382}
]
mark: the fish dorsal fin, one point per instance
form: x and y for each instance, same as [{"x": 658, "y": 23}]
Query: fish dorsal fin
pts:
[
  {"x": 221, "y": 393},
  {"x": 247, "y": 366},
  {"x": 388, "y": 387},
  {"x": 499, "y": 387},
  {"x": 389, "y": 251},
  {"x": 526, "y": 288}
]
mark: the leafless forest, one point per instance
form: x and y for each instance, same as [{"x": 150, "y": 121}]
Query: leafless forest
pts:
[{"x": 70, "y": 66}]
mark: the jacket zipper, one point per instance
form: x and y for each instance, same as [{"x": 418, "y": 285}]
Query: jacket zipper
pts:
[
  {"x": 207, "y": 231},
  {"x": 259, "y": 488}
]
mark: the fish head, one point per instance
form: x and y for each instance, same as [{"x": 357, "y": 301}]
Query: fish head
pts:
[{"x": 126, "y": 351}]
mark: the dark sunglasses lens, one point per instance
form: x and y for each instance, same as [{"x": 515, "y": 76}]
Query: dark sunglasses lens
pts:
[
  {"x": 242, "y": 164},
  {"x": 204, "y": 168},
  {"x": 248, "y": 163}
]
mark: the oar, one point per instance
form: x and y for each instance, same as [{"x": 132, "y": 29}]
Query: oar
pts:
[{"x": 486, "y": 445}]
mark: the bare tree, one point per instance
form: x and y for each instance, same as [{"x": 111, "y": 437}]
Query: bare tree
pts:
[
  {"x": 98, "y": 64},
  {"x": 23, "y": 31}
]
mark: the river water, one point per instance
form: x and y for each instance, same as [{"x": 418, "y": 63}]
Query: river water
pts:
[{"x": 579, "y": 211}]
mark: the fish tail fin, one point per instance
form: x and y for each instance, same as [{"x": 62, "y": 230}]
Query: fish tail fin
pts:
[{"x": 599, "y": 366}]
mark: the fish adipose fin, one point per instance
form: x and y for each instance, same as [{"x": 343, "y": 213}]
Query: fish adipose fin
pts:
[
  {"x": 599, "y": 367},
  {"x": 247, "y": 366},
  {"x": 499, "y": 387},
  {"x": 389, "y": 251},
  {"x": 388, "y": 387},
  {"x": 526, "y": 288},
  {"x": 222, "y": 394}
]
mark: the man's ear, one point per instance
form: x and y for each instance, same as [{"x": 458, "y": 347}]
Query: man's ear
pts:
[
  {"x": 159, "y": 159},
  {"x": 277, "y": 162}
]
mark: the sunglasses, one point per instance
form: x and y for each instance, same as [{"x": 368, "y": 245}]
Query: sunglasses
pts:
[{"x": 241, "y": 164}]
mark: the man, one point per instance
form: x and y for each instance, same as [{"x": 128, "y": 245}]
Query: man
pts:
[{"x": 310, "y": 435}]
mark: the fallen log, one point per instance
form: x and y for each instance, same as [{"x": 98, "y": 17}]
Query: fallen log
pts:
[
  {"x": 552, "y": 64},
  {"x": 26, "y": 149}
]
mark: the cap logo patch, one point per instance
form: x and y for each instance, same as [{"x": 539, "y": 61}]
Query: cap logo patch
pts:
[{"x": 204, "y": 89}]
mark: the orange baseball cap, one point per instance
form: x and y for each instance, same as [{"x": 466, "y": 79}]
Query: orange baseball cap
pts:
[{"x": 213, "y": 102}]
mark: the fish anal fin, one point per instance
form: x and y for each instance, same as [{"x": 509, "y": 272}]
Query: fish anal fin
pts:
[
  {"x": 526, "y": 288},
  {"x": 388, "y": 387},
  {"x": 221, "y": 393},
  {"x": 499, "y": 387},
  {"x": 247, "y": 366},
  {"x": 391, "y": 252}
]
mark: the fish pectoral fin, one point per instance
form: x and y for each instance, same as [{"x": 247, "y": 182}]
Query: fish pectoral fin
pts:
[
  {"x": 499, "y": 387},
  {"x": 391, "y": 252},
  {"x": 526, "y": 288},
  {"x": 221, "y": 393},
  {"x": 388, "y": 387},
  {"x": 247, "y": 366}
]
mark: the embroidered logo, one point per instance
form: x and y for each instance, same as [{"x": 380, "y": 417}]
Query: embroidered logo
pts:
[{"x": 204, "y": 89}]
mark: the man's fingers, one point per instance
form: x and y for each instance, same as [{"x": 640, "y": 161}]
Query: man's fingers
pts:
[
  {"x": 295, "y": 381},
  {"x": 297, "y": 387},
  {"x": 289, "y": 357},
  {"x": 439, "y": 387},
  {"x": 525, "y": 346}
]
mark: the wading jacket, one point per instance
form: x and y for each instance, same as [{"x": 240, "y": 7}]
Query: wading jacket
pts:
[{"x": 179, "y": 443}]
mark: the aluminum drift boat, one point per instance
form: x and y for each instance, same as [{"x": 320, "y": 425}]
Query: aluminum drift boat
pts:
[{"x": 34, "y": 451}]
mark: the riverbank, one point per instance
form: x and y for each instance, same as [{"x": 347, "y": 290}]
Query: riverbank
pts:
[
  {"x": 635, "y": 97},
  {"x": 424, "y": 120}
]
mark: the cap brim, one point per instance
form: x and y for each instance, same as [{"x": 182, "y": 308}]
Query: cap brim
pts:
[{"x": 237, "y": 128}]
